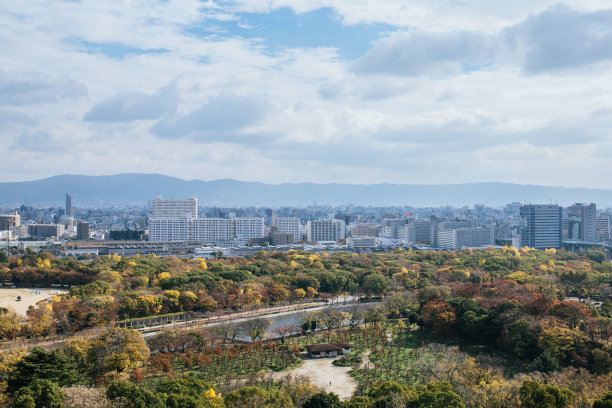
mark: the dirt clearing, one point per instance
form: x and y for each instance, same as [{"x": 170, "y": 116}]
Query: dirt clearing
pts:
[
  {"x": 29, "y": 296},
  {"x": 325, "y": 375}
]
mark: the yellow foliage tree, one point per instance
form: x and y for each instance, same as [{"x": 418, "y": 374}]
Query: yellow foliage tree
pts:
[
  {"x": 10, "y": 323},
  {"x": 311, "y": 292},
  {"x": 299, "y": 293},
  {"x": 8, "y": 359},
  {"x": 43, "y": 263}
]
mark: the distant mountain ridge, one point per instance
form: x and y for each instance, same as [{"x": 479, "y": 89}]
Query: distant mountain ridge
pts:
[{"x": 133, "y": 188}]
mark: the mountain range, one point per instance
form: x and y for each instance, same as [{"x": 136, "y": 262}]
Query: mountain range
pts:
[{"x": 136, "y": 188}]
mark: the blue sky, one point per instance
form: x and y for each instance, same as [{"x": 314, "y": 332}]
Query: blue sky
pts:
[
  {"x": 284, "y": 28},
  {"x": 359, "y": 91}
]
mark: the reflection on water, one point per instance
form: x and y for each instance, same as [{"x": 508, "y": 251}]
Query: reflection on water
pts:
[{"x": 294, "y": 319}]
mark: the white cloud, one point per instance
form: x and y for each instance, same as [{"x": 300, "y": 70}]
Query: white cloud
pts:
[
  {"x": 130, "y": 106},
  {"x": 477, "y": 90}
]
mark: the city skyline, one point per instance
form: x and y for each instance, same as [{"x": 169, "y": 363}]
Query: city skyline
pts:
[{"x": 329, "y": 91}]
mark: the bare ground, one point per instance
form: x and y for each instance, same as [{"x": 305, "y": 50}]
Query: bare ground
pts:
[
  {"x": 8, "y": 297},
  {"x": 325, "y": 375}
]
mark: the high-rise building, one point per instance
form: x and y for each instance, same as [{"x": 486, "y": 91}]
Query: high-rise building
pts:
[
  {"x": 82, "y": 231},
  {"x": 422, "y": 231},
  {"x": 248, "y": 228},
  {"x": 177, "y": 220},
  {"x": 170, "y": 219},
  {"x": 210, "y": 230},
  {"x": 163, "y": 208},
  {"x": 541, "y": 226},
  {"x": 289, "y": 225},
  {"x": 585, "y": 215},
  {"x": 68, "y": 205},
  {"x": 326, "y": 230},
  {"x": 446, "y": 239}
]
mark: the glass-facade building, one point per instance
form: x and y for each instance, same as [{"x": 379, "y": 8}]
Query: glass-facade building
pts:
[{"x": 541, "y": 226}]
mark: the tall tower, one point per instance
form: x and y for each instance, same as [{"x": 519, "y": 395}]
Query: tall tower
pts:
[
  {"x": 68, "y": 205},
  {"x": 541, "y": 226}
]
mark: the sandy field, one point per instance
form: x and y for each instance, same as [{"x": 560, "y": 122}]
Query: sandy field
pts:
[
  {"x": 324, "y": 374},
  {"x": 8, "y": 297}
]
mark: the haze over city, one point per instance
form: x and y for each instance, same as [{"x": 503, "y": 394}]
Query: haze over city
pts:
[{"x": 300, "y": 91}]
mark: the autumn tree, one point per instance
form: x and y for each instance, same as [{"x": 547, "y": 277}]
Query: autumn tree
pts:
[
  {"x": 440, "y": 317},
  {"x": 117, "y": 349},
  {"x": 10, "y": 323}
]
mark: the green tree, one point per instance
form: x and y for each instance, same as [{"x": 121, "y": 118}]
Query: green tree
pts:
[
  {"x": 436, "y": 395},
  {"x": 604, "y": 402},
  {"x": 376, "y": 284},
  {"x": 545, "y": 363},
  {"x": 323, "y": 400},
  {"x": 185, "y": 392},
  {"x": 534, "y": 395},
  {"x": 47, "y": 365},
  {"x": 40, "y": 393},
  {"x": 246, "y": 397},
  {"x": 133, "y": 396}
]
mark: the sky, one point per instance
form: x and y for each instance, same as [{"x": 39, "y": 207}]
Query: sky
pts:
[{"x": 353, "y": 91}]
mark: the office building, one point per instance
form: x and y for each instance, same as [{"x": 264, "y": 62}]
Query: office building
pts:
[
  {"x": 423, "y": 231},
  {"x": 282, "y": 238},
  {"x": 82, "y": 231},
  {"x": 46, "y": 230},
  {"x": 394, "y": 227},
  {"x": 361, "y": 243},
  {"x": 366, "y": 230},
  {"x": 475, "y": 237},
  {"x": 541, "y": 226},
  {"x": 602, "y": 228},
  {"x": 581, "y": 222},
  {"x": 9, "y": 220}
]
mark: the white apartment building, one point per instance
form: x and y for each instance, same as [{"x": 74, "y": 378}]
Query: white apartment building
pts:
[
  {"x": 210, "y": 230},
  {"x": 163, "y": 208},
  {"x": 168, "y": 229},
  {"x": 177, "y": 220},
  {"x": 247, "y": 228},
  {"x": 326, "y": 230},
  {"x": 289, "y": 225},
  {"x": 464, "y": 238},
  {"x": 446, "y": 239}
]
